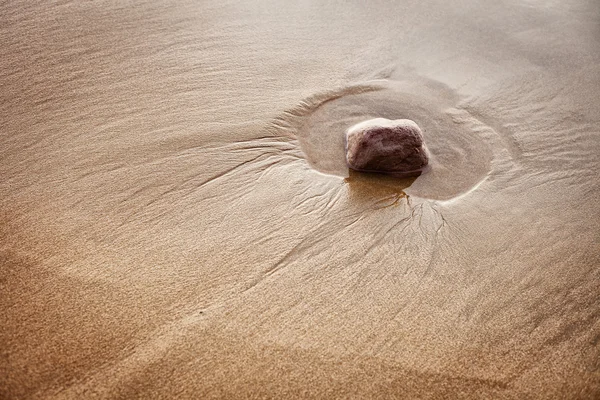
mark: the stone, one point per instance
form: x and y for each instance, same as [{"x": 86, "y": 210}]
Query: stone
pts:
[{"x": 389, "y": 146}]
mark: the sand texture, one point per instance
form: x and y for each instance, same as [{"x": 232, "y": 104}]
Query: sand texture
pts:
[{"x": 177, "y": 219}]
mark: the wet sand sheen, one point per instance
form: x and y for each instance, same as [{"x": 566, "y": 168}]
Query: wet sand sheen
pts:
[
  {"x": 177, "y": 220},
  {"x": 460, "y": 155}
]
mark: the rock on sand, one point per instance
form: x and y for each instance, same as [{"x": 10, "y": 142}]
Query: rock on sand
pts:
[{"x": 389, "y": 146}]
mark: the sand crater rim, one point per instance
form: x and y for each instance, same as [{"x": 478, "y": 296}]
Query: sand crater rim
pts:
[{"x": 459, "y": 157}]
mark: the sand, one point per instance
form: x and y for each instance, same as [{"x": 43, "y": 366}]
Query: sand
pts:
[{"x": 177, "y": 221}]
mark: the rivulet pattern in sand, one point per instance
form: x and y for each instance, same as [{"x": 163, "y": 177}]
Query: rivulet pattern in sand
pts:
[{"x": 177, "y": 220}]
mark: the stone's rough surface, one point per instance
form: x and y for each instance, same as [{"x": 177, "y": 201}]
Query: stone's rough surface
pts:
[{"x": 390, "y": 146}]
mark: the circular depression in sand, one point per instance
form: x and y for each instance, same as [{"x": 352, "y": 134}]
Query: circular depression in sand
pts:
[{"x": 460, "y": 157}]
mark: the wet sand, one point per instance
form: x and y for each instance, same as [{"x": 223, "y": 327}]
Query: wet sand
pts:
[{"x": 177, "y": 220}]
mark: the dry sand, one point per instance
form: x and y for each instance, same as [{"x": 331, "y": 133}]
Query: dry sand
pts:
[{"x": 176, "y": 219}]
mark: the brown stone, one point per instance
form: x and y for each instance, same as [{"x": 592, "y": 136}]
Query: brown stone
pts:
[{"x": 389, "y": 146}]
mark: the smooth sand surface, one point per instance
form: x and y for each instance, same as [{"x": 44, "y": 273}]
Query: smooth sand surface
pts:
[{"x": 177, "y": 221}]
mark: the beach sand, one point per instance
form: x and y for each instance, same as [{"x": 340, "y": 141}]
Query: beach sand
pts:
[{"x": 177, "y": 220}]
